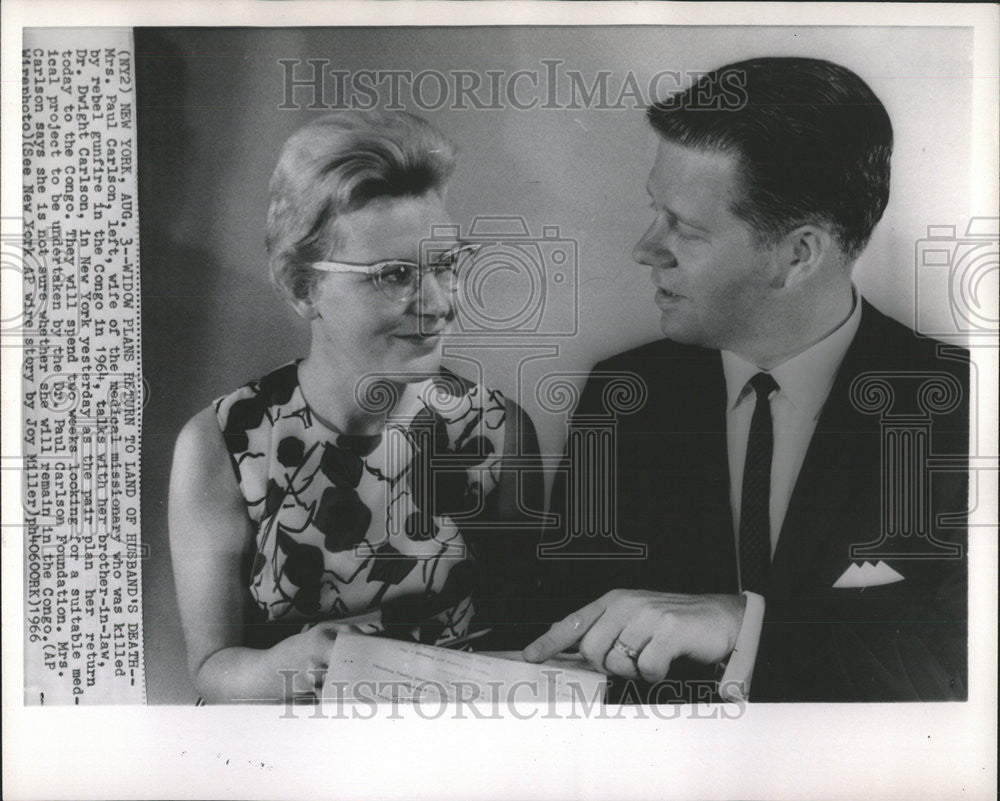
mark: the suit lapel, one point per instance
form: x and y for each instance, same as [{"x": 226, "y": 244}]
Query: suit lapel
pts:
[
  {"x": 832, "y": 489},
  {"x": 709, "y": 450}
]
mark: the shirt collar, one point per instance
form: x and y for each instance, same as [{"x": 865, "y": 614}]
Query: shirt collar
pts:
[{"x": 806, "y": 378}]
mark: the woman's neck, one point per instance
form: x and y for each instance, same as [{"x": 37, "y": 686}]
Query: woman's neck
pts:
[{"x": 349, "y": 401}]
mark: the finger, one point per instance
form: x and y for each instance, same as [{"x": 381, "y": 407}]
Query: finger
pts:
[
  {"x": 620, "y": 663},
  {"x": 319, "y": 676},
  {"x": 655, "y": 659},
  {"x": 328, "y": 628},
  {"x": 341, "y": 628},
  {"x": 597, "y": 644},
  {"x": 314, "y": 677},
  {"x": 567, "y": 632},
  {"x": 308, "y": 681}
]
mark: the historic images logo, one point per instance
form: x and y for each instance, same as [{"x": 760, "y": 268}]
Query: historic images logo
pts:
[{"x": 317, "y": 84}]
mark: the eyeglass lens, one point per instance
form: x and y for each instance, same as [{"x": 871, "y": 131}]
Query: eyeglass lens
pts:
[{"x": 399, "y": 281}]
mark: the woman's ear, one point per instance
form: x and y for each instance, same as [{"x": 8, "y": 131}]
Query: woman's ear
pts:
[{"x": 304, "y": 307}]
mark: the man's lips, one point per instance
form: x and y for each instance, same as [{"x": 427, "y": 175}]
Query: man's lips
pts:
[{"x": 665, "y": 297}]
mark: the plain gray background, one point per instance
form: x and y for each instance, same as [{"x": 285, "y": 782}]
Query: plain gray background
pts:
[{"x": 211, "y": 128}]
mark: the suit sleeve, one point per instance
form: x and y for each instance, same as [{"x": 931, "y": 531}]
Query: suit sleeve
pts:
[{"x": 569, "y": 583}]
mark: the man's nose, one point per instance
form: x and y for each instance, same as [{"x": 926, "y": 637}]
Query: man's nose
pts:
[{"x": 651, "y": 251}]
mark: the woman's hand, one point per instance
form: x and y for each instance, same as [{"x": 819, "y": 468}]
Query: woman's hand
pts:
[
  {"x": 300, "y": 662},
  {"x": 294, "y": 669}
]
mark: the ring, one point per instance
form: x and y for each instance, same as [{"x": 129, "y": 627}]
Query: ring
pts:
[{"x": 621, "y": 647}]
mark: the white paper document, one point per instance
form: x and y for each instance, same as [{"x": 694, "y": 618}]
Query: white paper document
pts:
[{"x": 374, "y": 669}]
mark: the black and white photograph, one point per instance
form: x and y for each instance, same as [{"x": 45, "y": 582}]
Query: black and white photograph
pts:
[{"x": 608, "y": 390}]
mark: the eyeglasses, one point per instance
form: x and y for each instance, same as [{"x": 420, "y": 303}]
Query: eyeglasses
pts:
[{"x": 399, "y": 280}]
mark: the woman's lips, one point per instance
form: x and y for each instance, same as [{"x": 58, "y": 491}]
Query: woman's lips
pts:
[{"x": 426, "y": 338}]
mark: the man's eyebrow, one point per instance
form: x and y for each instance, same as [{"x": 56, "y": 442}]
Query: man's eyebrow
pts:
[
  {"x": 675, "y": 215},
  {"x": 690, "y": 224}
]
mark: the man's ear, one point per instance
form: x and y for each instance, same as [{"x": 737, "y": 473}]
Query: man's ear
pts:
[{"x": 802, "y": 253}]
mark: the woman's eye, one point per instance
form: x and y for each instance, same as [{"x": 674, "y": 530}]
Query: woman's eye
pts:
[
  {"x": 451, "y": 259},
  {"x": 397, "y": 274},
  {"x": 449, "y": 264}
]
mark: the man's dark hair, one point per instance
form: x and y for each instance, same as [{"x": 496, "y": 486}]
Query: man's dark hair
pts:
[{"x": 812, "y": 139}]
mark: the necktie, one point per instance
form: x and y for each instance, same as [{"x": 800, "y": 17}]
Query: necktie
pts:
[{"x": 755, "y": 505}]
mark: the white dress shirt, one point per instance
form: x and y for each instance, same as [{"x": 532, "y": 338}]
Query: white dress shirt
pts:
[{"x": 804, "y": 382}]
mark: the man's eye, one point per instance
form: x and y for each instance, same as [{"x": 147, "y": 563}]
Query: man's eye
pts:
[
  {"x": 691, "y": 234},
  {"x": 397, "y": 274},
  {"x": 678, "y": 228}
]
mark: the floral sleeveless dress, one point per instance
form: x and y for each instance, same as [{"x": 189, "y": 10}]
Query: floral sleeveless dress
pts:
[{"x": 347, "y": 524}]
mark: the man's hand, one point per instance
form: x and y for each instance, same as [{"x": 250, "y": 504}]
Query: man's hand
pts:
[{"x": 639, "y": 633}]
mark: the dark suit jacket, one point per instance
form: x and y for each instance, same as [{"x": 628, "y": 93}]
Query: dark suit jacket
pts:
[{"x": 901, "y": 641}]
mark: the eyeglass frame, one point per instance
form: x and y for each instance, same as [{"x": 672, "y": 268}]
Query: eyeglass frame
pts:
[{"x": 374, "y": 269}]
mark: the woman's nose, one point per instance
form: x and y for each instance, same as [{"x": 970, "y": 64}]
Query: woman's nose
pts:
[{"x": 433, "y": 300}]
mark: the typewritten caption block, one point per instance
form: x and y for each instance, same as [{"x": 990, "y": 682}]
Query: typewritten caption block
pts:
[{"x": 82, "y": 380}]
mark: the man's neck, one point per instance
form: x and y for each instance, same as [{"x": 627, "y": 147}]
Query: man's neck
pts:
[{"x": 804, "y": 329}]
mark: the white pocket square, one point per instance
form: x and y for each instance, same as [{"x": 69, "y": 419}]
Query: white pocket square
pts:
[{"x": 867, "y": 575}]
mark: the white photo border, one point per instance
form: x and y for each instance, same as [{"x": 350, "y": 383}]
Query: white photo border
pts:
[{"x": 796, "y": 751}]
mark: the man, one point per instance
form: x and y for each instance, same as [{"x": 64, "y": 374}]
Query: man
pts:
[{"x": 756, "y": 476}]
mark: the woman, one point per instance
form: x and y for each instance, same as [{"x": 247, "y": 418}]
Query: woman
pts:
[{"x": 363, "y": 485}]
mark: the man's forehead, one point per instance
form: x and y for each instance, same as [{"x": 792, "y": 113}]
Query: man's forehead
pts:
[
  {"x": 692, "y": 180},
  {"x": 676, "y": 160}
]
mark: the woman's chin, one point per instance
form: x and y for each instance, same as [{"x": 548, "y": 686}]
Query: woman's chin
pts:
[{"x": 416, "y": 368}]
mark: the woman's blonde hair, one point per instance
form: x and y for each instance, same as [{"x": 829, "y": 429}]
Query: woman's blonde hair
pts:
[{"x": 338, "y": 164}]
